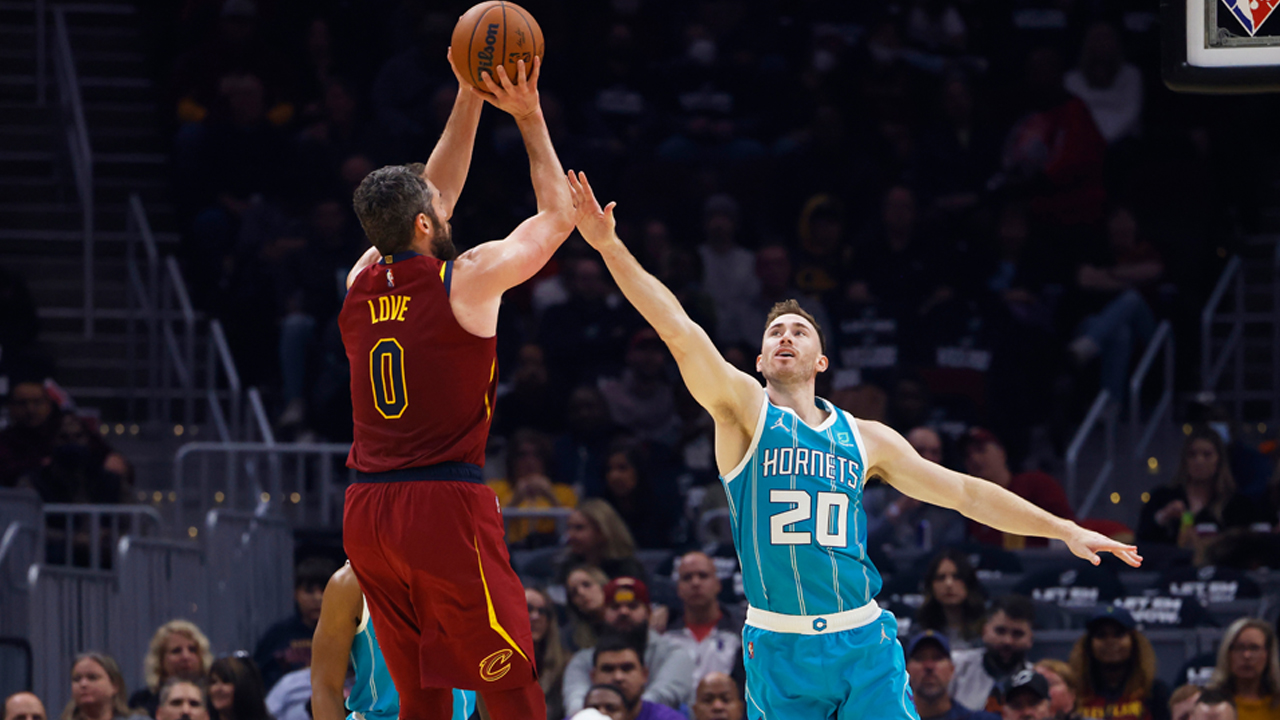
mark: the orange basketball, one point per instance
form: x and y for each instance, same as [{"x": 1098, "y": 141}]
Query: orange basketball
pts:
[{"x": 495, "y": 33}]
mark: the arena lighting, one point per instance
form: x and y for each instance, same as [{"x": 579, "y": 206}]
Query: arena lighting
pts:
[
  {"x": 265, "y": 497},
  {"x": 192, "y": 532},
  {"x": 219, "y": 496},
  {"x": 1221, "y": 46},
  {"x": 1115, "y": 498}
]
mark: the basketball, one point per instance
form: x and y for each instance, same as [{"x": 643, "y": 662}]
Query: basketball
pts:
[{"x": 495, "y": 33}]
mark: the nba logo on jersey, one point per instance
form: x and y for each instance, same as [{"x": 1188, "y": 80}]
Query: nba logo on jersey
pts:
[
  {"x": 751, "y": 651},
  {"x": 1251, "y": 13},
  {"x": 391, "y": 279}
]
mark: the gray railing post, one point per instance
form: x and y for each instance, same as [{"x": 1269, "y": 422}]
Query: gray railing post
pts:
[{"x": 81, "y": 152}]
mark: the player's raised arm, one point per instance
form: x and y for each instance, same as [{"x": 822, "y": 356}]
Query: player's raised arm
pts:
[
  {"x": 451, "y": 158},
  {"x": 486, "y": 271},
  {"x": 892, "y": 458},
  {"x": 340, "y": 613},
  {"x": 730, "y": 395}
]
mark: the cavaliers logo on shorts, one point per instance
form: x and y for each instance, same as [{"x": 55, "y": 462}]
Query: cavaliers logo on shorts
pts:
[{"x": 495, "y": 665}]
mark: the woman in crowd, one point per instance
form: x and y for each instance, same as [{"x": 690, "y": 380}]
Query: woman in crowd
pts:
[
  {"x": 97, "y": 689},
  {"x": 528, "y": 485},
  {"x": 630, "y": 491},
  {"x": 1248, "y": 669},
  {"x": 178, "y": 649},
  {"x": 1202, "y": 499},
  {"x": 235, "y": 689},
  {"x": 585, "y": 588},
  {"x": 548, "y": 651},
  {"x": 1116, "y": 668},
  {"x": 597, "y": 536},
  {"x": 1063, "y": 688},
  {"x": 954, "y": 600}
]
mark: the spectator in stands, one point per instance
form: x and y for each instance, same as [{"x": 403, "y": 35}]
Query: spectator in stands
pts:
[
  {"x": 290, "y": 699},
  {"x": 286, "y": 646},
  {"x": 97, "y": 689},
  {"x": 585, "y": 588},
  {"x": 710, "y": 631},
  {"x": 24, "y": 706},
  {"x": 641, "y": 400},
  {"x": 718, "y": 698},
  {"x": 527, "y": 399},
  {"x": 1182, "y": 702},
  {"x": 905, "y": 523},
  {"x": 773, "y": 270},
  {"x": 19, "y": 324},
  {"x": 985, "y": 457},
  {"x": 528, "y": 486},
  {"x": 669, "y": 666},
  {"x": 1027, "y": 697},
  {"x": 28, "y": 441},
  {"x": 598, "y": 536},
  {"x": 728, "y": 269},
  {"x": 929, "y": 670},
  {"x": 82, "y": 468},
  {"x": 178, "y": 649},
  {"x": 954, "y": 600},
  {"x": 1201, "y": 500},
  {"x": 1064, "y": 688},
  {"x": 549, "y": 654},
  {"x": 182, "y": 699},
  {"x": 1006, "y": 638},
  {"x": 584, "y": 337},
  {"x": 1213, "y": 705},
  {"x": 235, "y": 689},
  {"x": 1111, "y": 87},
  {"x": 603, "y": 701},
  {"x": 580, "y": 451},
  {"x": 1117, "y": 670},
  {"x": 629, "y": 489},
  {"x": 616, "y": 661},
  {"x": 1248, "y": 671}
]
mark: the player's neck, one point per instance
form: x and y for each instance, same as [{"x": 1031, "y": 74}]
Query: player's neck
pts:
[{"x": 800, "y": 399}]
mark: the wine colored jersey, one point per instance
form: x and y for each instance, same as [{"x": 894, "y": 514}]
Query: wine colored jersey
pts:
[{"x": 422, "y": 387}]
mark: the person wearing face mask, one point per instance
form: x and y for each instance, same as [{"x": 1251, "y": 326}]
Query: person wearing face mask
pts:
[
  {"x": 97, "y": 690},
  {"x": 1117, "y": 670},
  {"x": 182, "y": 700}
]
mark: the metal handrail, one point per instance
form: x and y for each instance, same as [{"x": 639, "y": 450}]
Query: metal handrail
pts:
[
  {"x": 79, "y": 148},
  {"x": 220, "y": 357},
  {"x": 10, "y": 536},
  {"x": 1211, "y": 371},
  {"x": 96, "y": 514},
  {"x": 1101, "y": 410},
  {"x": 1161, "y": 342},
  {"x": 258, "y": 413}
]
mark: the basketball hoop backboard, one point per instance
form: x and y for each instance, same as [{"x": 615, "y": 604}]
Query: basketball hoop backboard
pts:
[{"x": 1221, "y": 46}]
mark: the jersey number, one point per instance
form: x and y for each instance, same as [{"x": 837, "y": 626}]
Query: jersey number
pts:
[
  {"x": 386, "y": 370},
  {"x": 832, "y": 518}
]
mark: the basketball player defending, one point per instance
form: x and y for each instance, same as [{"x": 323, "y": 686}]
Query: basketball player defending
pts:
[
  {"x": 345, "y": 634},
  {"x": 424, "y": 533},
  {"x": 815, "y": 644}
]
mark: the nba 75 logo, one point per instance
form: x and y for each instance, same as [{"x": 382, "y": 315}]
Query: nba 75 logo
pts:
[{"x": 1251, "y": 13}]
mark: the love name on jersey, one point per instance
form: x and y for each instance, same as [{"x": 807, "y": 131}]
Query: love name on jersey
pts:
[
  {"x": 806, "y": 461},
  {"x": 389, "y": 307}
]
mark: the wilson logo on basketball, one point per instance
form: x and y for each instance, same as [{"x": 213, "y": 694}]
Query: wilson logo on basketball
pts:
[
  {"x": 495, "y": 666},
  {"x": 485, "y": 56}
]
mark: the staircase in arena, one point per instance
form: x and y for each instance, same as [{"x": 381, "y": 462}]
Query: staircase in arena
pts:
[{"x": 41, "y": 233}]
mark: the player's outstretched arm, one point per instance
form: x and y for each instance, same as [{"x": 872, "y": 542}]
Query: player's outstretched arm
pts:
[
  {"x": 340, "y": 613},
  {"x": 730, "y": 395},
  {"x": 451, "y": 158},
  {"x": 893, "y": 459}
]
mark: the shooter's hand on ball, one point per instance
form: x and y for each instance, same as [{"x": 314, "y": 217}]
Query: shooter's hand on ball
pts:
[
  {"x": 519, "y": 98},
  {"x": 595, "y": 223}
]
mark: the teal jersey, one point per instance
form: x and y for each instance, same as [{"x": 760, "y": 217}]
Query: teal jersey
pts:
[
  {"x": 373, "y": 694},
  {"x": 795, "y": 504}
]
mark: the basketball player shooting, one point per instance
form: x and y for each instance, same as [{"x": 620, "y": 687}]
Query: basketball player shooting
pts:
[
  {"x": 816, "y": 645},
  {"x": 422, "y": 530}
]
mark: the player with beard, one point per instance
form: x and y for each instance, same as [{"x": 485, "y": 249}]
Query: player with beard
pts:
[
  {"x": 423, "y": 532},
  {"x": 794, "y": 467}
]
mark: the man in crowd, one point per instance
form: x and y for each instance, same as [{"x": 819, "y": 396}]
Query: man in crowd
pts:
[
  {"x": 24, "y": 706},
  {"x": 181, "y": 700},
  {"x": 930, "y": 669},
  {"x": 985, "y": 457},
  {"x": 286, "y": 646},
  {"x": 1213, "y": 705},
  {"x": 603, "y": 702},
  {"x": 711, "y": 632},
  {"x": 1027, "y": 697},
  {"x": 670, "y": 667},
  {"x": 1006, "y": 638},
  {"x": 718, "y": 698},
  {"x": 616, "y": 662},
  {"x": 28, "y": 441}
]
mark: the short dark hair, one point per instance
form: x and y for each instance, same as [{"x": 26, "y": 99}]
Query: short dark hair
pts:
[
  {"x": 605, "y": 686},
  {"x": 388, "y": 202},
  {"x": 1017, "y": 607},
  {"x": 1215, "y": 697},
  {"x": 792, "y": 307},
  {"x": 613, "y": 642},
  {"x": 314, "y": 571},
  {"x": 166, "y": 688}
]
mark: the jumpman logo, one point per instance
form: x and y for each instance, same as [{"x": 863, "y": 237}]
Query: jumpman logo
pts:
[
  {"x": 883, "y": 636},
  {"x": 779, "y": 423}
]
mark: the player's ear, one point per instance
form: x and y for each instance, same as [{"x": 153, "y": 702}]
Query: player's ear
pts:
[
  {"x": 424, "y": 224},
  {"x": 759, "y": 363},
  {"x": 823, "y": 363}
]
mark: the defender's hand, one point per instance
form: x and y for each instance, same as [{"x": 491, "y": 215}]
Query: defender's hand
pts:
[{"x": 595, "y": 223}]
